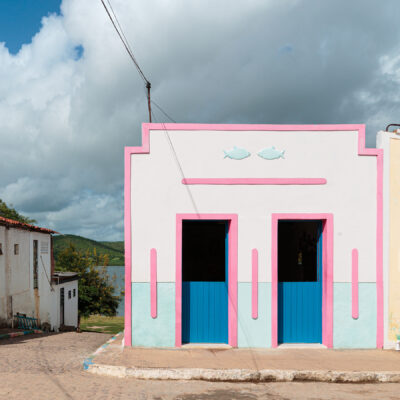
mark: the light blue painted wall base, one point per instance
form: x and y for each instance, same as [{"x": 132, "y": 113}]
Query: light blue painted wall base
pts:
[
  {"x": 254, "y": 332},
  {"x": 157, "y": 332},
  {"x": 347, "y": 332},
  {"x": 354, "y": 333}
]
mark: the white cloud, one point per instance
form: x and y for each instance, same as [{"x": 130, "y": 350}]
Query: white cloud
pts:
[{"x": 64, "y": 120}]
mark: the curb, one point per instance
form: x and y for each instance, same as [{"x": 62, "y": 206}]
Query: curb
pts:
[
  {"x": 16, "y": 334},
  {"x": 245, "y": 375},
  {"x": 236, "y": 375},
  {"x": 88, "y": 362}
]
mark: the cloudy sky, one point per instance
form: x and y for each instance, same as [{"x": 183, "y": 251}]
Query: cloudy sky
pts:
[{"x": 70, "y": 98}]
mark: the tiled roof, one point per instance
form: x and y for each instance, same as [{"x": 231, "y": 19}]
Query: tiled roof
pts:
[{"x": 21, "y": 225}]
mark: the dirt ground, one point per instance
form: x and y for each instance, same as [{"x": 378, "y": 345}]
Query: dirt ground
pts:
[{"x": 50, "y": 367}]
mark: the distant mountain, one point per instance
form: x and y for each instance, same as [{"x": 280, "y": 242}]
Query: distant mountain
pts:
[{"x": 115, "y": 250}]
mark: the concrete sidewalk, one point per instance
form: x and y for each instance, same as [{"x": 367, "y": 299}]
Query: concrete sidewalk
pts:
[{"x": 253, "y": 365}]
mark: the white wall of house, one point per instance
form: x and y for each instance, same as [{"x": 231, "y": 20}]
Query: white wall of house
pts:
[{"x": 17, "y": 292}]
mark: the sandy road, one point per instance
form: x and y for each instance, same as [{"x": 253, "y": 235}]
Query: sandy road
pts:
[{"x": 50, "y": 367}]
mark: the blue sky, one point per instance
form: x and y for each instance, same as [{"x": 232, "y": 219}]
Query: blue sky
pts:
[
  {"x": 21, "y": 19},
  {"x": 71, "y": 99}
]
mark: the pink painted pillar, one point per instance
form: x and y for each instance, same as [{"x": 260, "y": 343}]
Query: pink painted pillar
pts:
[
  {"x": 254, "y": 284},
  {"x": 153, "y": 283},
  {"x": 354, "y": 283}
]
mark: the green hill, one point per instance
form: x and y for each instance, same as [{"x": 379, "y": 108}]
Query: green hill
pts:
[{"x": 115, "y": 250}]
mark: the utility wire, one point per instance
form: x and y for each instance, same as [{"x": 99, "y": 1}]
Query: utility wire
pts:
[
  {"x": 125, "y": 42},
  {"x": 159, "y": 107},
  {"x": 122, "y": 36}
]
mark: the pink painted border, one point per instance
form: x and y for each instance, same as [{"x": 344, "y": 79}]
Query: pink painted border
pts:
[
  {"x": 354, "y": 283},
  {"x": 254, "y": 284},
  {"x": 153, "y": 283},
  {"x": 254, "y": 181},
  {"x": 232, "y": 274},
  {"x": 327, "y": 274},
  {"x": 362, "y": 151}
]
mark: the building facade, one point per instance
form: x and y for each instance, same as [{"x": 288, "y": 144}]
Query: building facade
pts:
[
  {"x": 28, "y": 284},
  {"x": 254, "y": 236}
]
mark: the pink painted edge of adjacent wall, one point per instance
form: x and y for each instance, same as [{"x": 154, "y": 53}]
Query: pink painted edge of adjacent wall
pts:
[
  {"x": 232, "y": 274},
  {"x": 153, "y": 283},
  {"x": 254, "y": 181},
  {"x": 127, "y": 232},
  {"x": 254, "y": 284},
  {"x": 354, "y": 283},
  {"x": 362, "y": 151},
  {"x": 327, "y": 286}
]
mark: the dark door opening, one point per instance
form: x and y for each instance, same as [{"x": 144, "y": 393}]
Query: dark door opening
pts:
[
  {"x": 205, "y": 281},
  {"x": 300, "y": 281},
  {"x": 61, "y": 306}
]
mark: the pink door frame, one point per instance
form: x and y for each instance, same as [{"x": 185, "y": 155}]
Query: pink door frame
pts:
[
  {"x": 327, "y": 274},
  {"x": 232, "y": 274}
]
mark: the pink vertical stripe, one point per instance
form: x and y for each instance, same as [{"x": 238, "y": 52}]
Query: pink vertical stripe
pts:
[
  {"x": 153, "y": 282},
  {"x": 379, "y": 252},
  {"x": 232, "y": 278},
  {"x": 274, "y": 281},
  {"x": 178, "y": 283},
  {"x": 128, "y": 241},
  {"x": 354, "y": 283},
  {"x": 329, "y": 283},
  {"x": 254, "y": 284}
]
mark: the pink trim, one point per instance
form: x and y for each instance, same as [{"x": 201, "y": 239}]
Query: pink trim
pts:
[
  {"x": 354, "y": 283},
  {"x": 153, "y": 283},
  {"x": 362, "y": 151},
  {"x": 254, "y": 284},
  {"x": 327, "y": 273},
  {"x": 254, "y": 181},
  {"x": 128, "y": 241},
  {"x": 232, "y": 274}
]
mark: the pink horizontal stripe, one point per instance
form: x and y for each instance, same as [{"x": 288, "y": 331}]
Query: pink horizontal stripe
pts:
[
  {"x": 354, "y": 283},
  {"x": 254, "y": 284},
  {"x": 153, "y": 282},
  {"x": 254, "y": 181}
]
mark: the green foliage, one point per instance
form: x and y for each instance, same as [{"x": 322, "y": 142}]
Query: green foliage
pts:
[
  {"x": 96, "y": 289},
  {"x": 11, "y": 213},
  {"x": 115, "y": 250},
  {"x": 99, "y": 323}
]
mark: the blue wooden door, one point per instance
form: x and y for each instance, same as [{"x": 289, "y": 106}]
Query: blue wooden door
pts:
[
  {"x": 205, "y": 301},
  {"x": 300, "y": 286}
]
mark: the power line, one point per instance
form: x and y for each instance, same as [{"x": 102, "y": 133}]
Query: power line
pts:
[
  {"x": 159, "y": 107},
  {"x": 122, "y": 36},
  {"x": 125, "y": 42}
]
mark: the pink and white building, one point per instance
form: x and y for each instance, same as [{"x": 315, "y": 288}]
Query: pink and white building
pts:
[{"x": 254, "y": 236}]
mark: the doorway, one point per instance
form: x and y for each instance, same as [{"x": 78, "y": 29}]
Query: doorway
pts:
[
  {"x": 300, "y": 281},
  {"x": 205, "y": 281}
]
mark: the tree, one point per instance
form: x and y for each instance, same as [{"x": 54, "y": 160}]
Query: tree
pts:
[
  {"x": 12, "y": 213},
  {"x": 95, "y": 288}
]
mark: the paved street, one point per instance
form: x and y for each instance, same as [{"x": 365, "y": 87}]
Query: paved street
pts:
[{"x": 50, "y": 367}]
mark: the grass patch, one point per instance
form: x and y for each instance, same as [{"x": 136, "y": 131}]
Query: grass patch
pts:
[{"x": 99, "y": 323}]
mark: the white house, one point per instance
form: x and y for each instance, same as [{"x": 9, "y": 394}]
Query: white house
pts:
[
  {"x": 28, "y": 283},
  {"x": 254, "y": 236}
]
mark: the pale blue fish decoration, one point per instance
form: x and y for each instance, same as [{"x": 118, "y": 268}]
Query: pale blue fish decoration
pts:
[
  {"x": 236, "y": 153},
  {"x": 270, "y": 153}
]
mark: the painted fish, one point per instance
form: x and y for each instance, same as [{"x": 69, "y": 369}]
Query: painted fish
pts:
[
  {"x": 271, "y": 153},
  {"x": 236, "y": 153}
]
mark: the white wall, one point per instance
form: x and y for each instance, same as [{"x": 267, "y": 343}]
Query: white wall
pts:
[
  {"x": 70, "y": 305},
  {"x": 158, "y": 195},
  {"x": 19, "y": 283}
]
